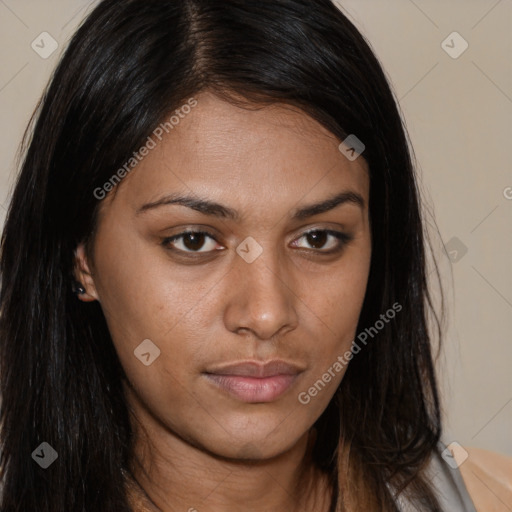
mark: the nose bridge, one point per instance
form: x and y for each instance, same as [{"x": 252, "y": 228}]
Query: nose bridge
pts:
[{"x": 264, "y": 301}]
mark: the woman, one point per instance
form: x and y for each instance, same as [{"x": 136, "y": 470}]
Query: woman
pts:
[{"x": 214, "y": 293}]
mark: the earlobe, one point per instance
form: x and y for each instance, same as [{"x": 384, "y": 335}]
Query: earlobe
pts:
[{"x": 84, "y": 287}]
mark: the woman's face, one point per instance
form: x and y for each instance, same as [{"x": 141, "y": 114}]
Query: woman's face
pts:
[{"x": 246, "y": 319}]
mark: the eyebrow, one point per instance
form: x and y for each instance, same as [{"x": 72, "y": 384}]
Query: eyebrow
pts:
[{"x": 211, "y": 208}]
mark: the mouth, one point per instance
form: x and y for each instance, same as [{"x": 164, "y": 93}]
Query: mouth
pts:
[{"x": 254, "y": 382}]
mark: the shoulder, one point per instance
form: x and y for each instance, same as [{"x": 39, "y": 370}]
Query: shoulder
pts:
[
  {"x": 469, "y": 479},
  {"x": 487, "y": 476}
]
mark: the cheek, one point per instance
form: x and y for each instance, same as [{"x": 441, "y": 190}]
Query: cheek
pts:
[
  {"x": 337, "y": 303},
  {"x": 142, "y": 295},
  {"x": 154, "y": 317},
  {"x": 341, "y": 297},
  {"x": 340, "y": 305}
]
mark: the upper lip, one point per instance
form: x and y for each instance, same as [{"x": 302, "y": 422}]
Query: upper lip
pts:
[{"x": 257, "y": 369}]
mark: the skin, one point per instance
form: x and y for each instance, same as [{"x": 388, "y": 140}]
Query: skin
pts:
[{"x": 197, "y": 446}]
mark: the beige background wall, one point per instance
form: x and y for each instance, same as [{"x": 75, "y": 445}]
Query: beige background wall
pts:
[{"x": 459, "y": 115}]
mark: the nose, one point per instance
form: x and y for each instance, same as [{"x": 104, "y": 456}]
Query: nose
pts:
[{"x": 262, "y": 298}]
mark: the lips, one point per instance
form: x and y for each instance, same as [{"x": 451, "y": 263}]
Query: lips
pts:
[
  {"x": 255, "y": 369},
  {"x": 254, "y": 382}
]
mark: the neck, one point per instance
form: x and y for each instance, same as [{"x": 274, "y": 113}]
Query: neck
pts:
[{"x": 169, "y": 474}]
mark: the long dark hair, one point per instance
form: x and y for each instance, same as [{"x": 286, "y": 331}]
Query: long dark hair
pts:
[{"x": 129, "y": 64}]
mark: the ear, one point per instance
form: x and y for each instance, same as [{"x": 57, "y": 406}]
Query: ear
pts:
[{"x": 83, "y": 274}]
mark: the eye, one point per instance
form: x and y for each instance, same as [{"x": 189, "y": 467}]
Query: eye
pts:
[
  {"x": 318, "y": 239},
  {"x": 190, "y": 241}
]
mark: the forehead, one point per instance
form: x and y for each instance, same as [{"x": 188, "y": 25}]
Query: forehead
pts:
[{"x": 249, "y": 158}]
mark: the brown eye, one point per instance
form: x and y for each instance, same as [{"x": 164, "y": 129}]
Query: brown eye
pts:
[
  {"x": 318, "y": 238},
  {"x": 190, "y": 241}
]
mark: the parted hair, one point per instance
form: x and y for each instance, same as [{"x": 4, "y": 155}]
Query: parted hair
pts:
[{"x": 129, "y": 64}]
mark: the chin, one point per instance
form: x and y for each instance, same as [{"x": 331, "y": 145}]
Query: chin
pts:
[{"x": 255, "y": 447}]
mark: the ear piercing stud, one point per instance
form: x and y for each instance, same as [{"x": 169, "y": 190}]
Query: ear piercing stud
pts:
[{"x": 78, "y": 288}]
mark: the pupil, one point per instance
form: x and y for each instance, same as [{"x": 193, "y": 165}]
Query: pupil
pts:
[
  {"x": 195, "y": 237},
  {"x": 317, "y": 236}
]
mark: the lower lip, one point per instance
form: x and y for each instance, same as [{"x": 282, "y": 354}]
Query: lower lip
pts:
[{"x": 252, "y": 389}]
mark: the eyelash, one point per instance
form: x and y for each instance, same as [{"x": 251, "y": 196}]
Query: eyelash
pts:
[{"x": 343, "y": 240}]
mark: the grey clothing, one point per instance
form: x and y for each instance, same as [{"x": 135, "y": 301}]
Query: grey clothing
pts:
[{"x": 449, "y": 486}]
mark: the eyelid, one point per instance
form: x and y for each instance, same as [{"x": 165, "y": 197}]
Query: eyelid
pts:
[
  {"x": 180, "y": 235},
  {"x": 343, "y": 239}
]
